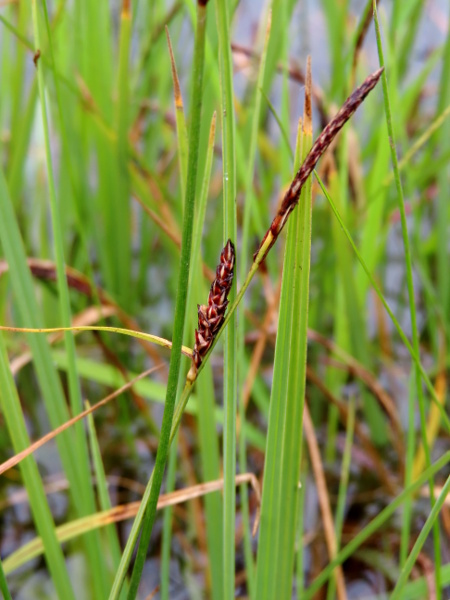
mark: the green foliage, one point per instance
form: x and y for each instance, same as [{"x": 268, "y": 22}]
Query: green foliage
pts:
[{"x": 116, "y": 197}]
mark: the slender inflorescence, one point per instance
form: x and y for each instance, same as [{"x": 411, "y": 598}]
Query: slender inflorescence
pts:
[
  {"x": 211, "y": 315},
  {"x": 292, "y": 196}
]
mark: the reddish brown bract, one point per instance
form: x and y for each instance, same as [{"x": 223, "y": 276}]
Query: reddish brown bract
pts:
[{"x": 211, "y": 315}]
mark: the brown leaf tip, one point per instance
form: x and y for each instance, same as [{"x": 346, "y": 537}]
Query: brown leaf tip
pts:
[
  {"x": 307, "y": 111},
  {"x": 36, "y": 57}
]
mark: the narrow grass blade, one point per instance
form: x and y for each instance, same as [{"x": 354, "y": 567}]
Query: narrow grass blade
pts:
[
  {"x": 159, "y": 341},
  {"x": 182, "y": 139},
  {"x": 374, "y": 525},
  {"x": 52, "y": 392},
  {"x": 419, "y": 588},
  {"x": 179, "y": 320},
  {"x": 343, "y": 486},
  {"x": 323, "y": 500},
  {"x": 120, "y": 226},
  {"x": 166, "y": 544},
  {"x": 442, "y": 139},
  {"x": 4, "y": 584},
  {"x": 12, "y": 412},
  {"x": 249, "y": 199},
  {"x": 250, "y": 209},
  {"x": 230, "y": 341},
  {"x": 351, "y": 329},
  {"x": 208, "y": 434},
  {"x": 182, "y": 135},
  {"x": 284, "y": 438},
  {"x": 431, "y": 521},
  {"x": 113, "y": 545},
  {"x": 411, "y": 297},
  {"x": 73, "y": 529},
  {"x": 404, "y": 338},
  {"x": 79, "y": 450}
]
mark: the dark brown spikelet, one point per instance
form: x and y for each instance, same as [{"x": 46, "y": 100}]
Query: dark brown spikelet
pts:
[
  {"x": 321, "y": 144},
  {"x": 211, "y": 315}
]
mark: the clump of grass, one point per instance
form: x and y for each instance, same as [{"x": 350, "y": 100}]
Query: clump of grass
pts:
[{"x": 115, "y": 130}]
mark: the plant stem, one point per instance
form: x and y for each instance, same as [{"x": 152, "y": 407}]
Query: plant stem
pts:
[{"x": 180, "y": 307}]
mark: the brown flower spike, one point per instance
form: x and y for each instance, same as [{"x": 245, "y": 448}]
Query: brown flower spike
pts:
[
  {"x": 211, "y": 315},
  {"x": 292, "y": 196}
]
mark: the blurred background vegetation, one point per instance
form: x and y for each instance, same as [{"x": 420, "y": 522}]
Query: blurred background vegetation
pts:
[{"x": 93, "y": 168}]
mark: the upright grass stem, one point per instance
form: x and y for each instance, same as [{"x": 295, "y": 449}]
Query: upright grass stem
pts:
[
  {"x": 432, "y": 519},
  {"x": 4, "y": 584},
  {"x": 180, "y": 308},
  {"x": 412, "y": 306},
  {"x": 230, "y": 342},
  {"x": 249, "y": 208},
  {"x": 121, "y": 250},
  {"x": 87, "y": 503},
  {"x": 208, "y": 433},
  {"x": 320, "y": 145},
  {"x": 182, "y": 142},
  {"x": 402, "y": 334},
  {"x": 343, "y": 485},
  {"x": 15, "y": 423},
  {"x": 284, "y": 437},
  {"x": 443, "y": 211},
  {"x": 89, "y": 115},
  {"x": 374, "y": 525}
]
